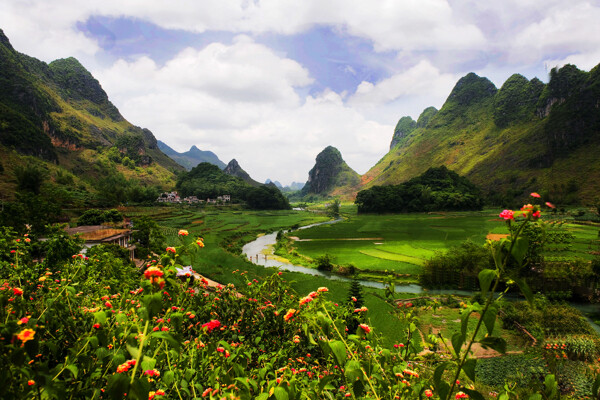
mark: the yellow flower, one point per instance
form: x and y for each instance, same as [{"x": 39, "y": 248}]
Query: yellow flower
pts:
[{"x": 26, "y": 335}]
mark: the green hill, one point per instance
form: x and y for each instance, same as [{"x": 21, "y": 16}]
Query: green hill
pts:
[
  {"x": 58, "y": 118},
  {"x": 526, "y": 136},
  {"x": 331, "y": 176}
]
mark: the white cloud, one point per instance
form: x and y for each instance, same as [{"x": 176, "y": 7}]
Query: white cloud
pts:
[
  {"x": 409, "y": 92},
  {"x": 239, "y": 101}
]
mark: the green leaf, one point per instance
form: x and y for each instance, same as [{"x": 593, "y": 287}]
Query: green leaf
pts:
[
  {"x": 168, "y": 378},
  {"x": 536, "y": 396},
  {"x": 139, "y": 389},
  {"x": 74, "y": 370},
  {"x": 439, "y": 372},
  {"x": 525, "y": 289},
  {"x": 443, "y": 389},
  {"x": 469, "y": 368},
  {"x": 358, "y": 388},
  {"x": 339, "y": 350},
  {"x": 168, "y": 337},
  {"x": 262, "y": 396},
  {"x": 353, "y": 371},
  {"x": 473, "y": 394},
  {"x": 489, "y": 318},
  {"x": 324, "y": 381},
  {"x": 486, "y": 277},
  {"x": 280, "y": 393},
  {"x": 118, "y": 385},
  {"x": 519, "y": 249},
  {"x": 457, "y": 341},
  {"x": 494, "y": 343},
  {"x": 148, "y": 363},
  {"x": 100, "y": 317},
  {"x": 464, "y": 321},
  {"x": 133, "y": 351}
]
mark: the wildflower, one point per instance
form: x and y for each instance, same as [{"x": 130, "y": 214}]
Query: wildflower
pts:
[
  {"x": 183, "y": 232},
  {"x": 211, "y": 325},
  {"x": 365, "y": 328},
  {"x": 206, "y": 392},
  {"x": 23, "y": 320},
  {"x": 534, "y": 194},
  {"x": 18, "y": 291},
  {"x": 461, "y": 395},
  {"x": 153, "y": 272},
  {"x": 31, "y": 382},
  {"x": 27, "y": 240},
  {"x": 296, "y": 339},
  {"x": 507, "y": 214},
  {"x": 322, "y": 289},
  {"x": 108, "y": 304},
  {"x": 26, "y": 335},
  {"x": 96, "y": 325},
  {"x": 289, "y": 314},
  {"x": 125, "y": 366},
  {"x": 306, "y": 299},
  {"x": 550, "y": 205},
  {"x": 411, "y": 373},
  {"x": 428, "y": 393},
  {"x": 152, "y": 373},
  {"x": 200, "y": 242},
  {"x": 171, "y": 250}
]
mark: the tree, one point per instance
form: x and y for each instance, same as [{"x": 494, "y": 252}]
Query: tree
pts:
[
  {"x": 354, "y": 301},
  {"x": 333, "y": 209},
  {"x": 148, "y": 236},
  {"x": 30, "y": 178}
]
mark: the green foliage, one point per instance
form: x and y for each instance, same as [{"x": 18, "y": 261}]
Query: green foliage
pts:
[
  {"x": 324, "y": 263},
  {"x": 435, "y": 190},
  {"x": 114, "y": 252},
  {"x": 457, "y": 267},
  {"x": 524, "y": 370},
  {"x": 516, "y": 100},
  {"x": 148, "y": 236},
  {"x": 59, "y": 248},
  {"x": 329, "y": 172},
  {"x": 30, "y": 178},
  {"x": 98, "y": 217},
  {"x": 208, "y": 181}
]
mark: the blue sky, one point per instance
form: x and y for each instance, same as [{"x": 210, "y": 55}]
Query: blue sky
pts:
[{"x": 271, "y": 83}]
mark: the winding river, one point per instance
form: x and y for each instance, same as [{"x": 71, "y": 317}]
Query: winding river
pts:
[{"x": 260, "y": 252}]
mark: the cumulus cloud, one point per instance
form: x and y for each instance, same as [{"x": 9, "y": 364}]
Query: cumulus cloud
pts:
[
  {"x": 408, "y": 92},
  {"x": 240, "y": 101}
]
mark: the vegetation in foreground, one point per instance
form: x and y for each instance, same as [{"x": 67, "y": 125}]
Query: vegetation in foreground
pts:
[{"x": 93, "y": 327}]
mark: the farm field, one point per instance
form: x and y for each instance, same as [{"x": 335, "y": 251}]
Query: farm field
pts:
[{"x": 401, "y": 243}]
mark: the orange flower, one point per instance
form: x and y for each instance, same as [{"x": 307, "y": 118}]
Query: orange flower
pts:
[
  {"x": 31, "y": 382},
  {"x": 26, "y": 335},
  {"x": 322, "y": 289},
  {"x": 289, "y": 314},
  {"x": 171, "y": 250},
  {"x": 200, "y": 242},
  {"x": 153, "y": 271},
  {"x": 18, "y": 291},
  {"x": 183, "y": 232},
  {"x": 365, "y": 328}
]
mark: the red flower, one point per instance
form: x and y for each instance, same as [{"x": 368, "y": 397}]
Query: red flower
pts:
[
  {"x": 171, "y": 250},
  {"x": 550, "y": 204},
  {"x": 153, "y": 271},
  {"x": 108, "y": 304},
  {"x": 507, "y": 214},
  {"x": 428, "y": 393},
  {"x": 365, "y": 328},
  {"x": 97, "y": 326},
  {"x": 18, "y": 291},
  {"x": 31, "y": 382},
  {"x": 26, "y": 335},
  {"x": 211, "y": 325},
  {"x": 289, "y": 314},
  {"x": 534, "y": 194}
]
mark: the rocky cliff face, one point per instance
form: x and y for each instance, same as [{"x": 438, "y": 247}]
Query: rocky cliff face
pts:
[
  {"x": 330, "y": 173},
  {"x": 404, "y": 126}
]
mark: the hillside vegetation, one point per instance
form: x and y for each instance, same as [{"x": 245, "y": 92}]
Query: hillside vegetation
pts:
[
  {"x": 524, "y": 136},
  {"x": 57, "y": 117}
]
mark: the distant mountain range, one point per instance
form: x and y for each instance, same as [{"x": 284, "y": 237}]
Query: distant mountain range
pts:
[
  {"x": 192, "y": 157},
  {"x": 294, "y": 186},
  {"x": 526, "y": 136}
]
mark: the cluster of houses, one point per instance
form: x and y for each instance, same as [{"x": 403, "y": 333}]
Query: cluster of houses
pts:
[{"x": 173, "y": 197}]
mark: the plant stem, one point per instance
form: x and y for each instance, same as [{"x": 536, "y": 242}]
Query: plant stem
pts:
[{"x": 139, "y": 356}]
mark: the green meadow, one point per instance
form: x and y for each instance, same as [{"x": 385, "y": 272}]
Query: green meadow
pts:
[{"x": 399, "y": 243}]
